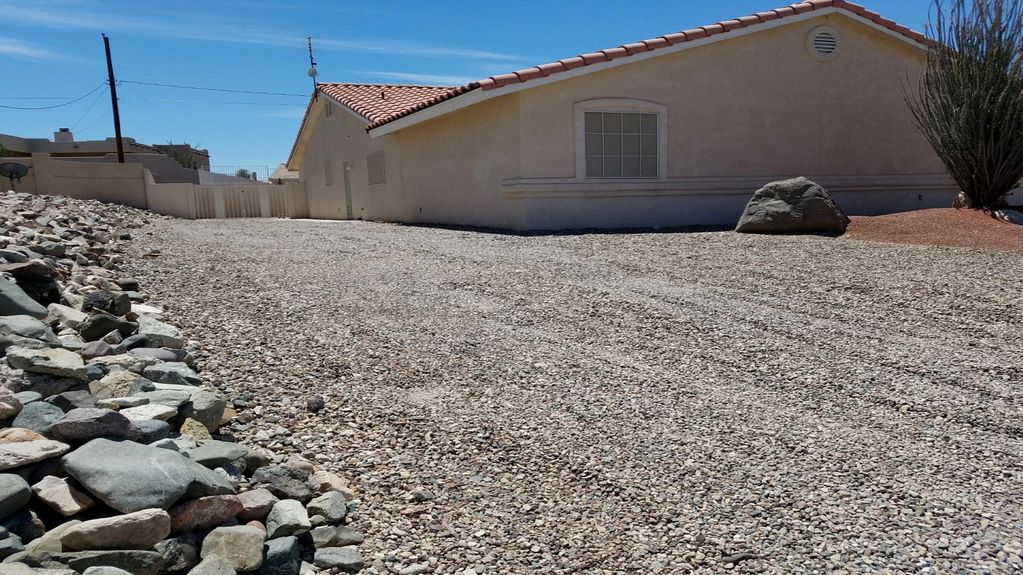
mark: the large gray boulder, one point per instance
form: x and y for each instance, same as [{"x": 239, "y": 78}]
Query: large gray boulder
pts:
[
  {"x": 14, "y": 301},
  {"x": 26, "y": 326},
  {"x": 130, "y": 477},
  {"x": 796, "y": 206}
]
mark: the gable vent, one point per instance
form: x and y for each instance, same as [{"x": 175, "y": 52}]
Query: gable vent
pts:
[{"x": 823, "y": 43}]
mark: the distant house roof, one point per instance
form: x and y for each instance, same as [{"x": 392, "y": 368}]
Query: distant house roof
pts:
[{"x": 380, "y": 104}]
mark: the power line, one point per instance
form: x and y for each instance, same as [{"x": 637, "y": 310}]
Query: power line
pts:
[
  {"x": 85, "y": 130},
  {"x": 79, "y": 99},
  {"x": 179, "y": 86},
  {"x": 82, "y": 117},
  {"x": 177, "y": 101},
  {"x": 39, "y": 98}
]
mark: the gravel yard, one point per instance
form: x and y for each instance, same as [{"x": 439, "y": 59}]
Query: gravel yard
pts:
[{"x": 624, "y": 403}]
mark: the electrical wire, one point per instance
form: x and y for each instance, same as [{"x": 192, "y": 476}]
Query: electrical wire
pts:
[
  {"x": 177, "y": 101},
  {"x": 183, "y": 87},
  {"x": 85, "y": 130},
  {"x": 79, "y": 99},
  {"x": 82, "y": 117}
]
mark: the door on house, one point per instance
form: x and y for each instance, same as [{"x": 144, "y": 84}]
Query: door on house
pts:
[{"x": 347, "y": 168}]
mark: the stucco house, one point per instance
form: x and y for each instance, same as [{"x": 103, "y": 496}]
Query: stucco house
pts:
[{"x": 677, "y": 130}]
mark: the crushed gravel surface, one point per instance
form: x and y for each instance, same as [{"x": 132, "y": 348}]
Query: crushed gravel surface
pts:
[{"x": 623, "y": 403}]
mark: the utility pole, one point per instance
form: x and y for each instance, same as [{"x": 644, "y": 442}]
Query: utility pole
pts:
[
  {"x": 113, "y": 100},
  {"x": 312, "y": 65}
]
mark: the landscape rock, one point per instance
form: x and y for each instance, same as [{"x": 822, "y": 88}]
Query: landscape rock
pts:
[
  {"x": 130, "y": 477},
  {"x": 120, "y": 384},
  {"x": 242, "y": 546},
  {"x": 327, "y": 481},
  {"x": 335, "y": 536},
  {"x": 214, "y": 565},
  {"x": 69, "y": 316},
  {"x": 55, "y": 361},
  {"x": 99, "y": 324},
  {"x": 19, "y": 435},
  {"x": 132, "y": 363},
  {"x": 10, "y": 405},
  {"x": 331, "y": 505},
  {"x": 213, "y": 454},
  {"x": 287, "y": 517},
  {"x": 73, "y": 399},
  {"x": 32, "y": 270},
  {"x": 792, "y": 207},
  {"x": 105, "y": 570},
  {"x": 38, "y": 417},
  {"x": 136, "y": 562},
  {"x": 256, "y": 504},
  {"x": 172, "y": 372},
  {"x": 15, "y": 455},
  {"x": 281, "y": 557},
  {"x": 206, "y": 405},
  {"x": 179, "y": 553},
  {"x": 28, "y": 327},
  {"x": 286, "y": 482},
  {"x": 84, "y": 424},
  {"x": 149, "y": 411},
  {"x": 195, "y": 429},
  {"x": 14, "y": 301},
  {"x": 14, "y": 494},
  {"x": 160, "y": 333},
  {"x": 95, "y": 349},
  {"x": 137, "y": 530},
  {"x": 62, "y": 496},
  {"x": 150, "y": 430},
  {"x": 204, "y": 512},
  {"x": 346, "y": 559}
]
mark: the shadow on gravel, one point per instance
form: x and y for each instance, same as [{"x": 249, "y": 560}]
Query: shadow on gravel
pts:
[{"x": 576, "y": 232}]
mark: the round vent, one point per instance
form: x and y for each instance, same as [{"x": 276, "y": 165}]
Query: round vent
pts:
[{"x": 823, "y": 43}]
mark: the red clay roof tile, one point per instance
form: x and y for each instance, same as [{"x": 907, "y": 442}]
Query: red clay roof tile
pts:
[{"x": 399, "y": 101}]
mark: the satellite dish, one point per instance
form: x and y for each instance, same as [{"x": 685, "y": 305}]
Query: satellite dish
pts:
[
  {"x": 13, "y": 171},
  {"x": 312, "y": 72}
]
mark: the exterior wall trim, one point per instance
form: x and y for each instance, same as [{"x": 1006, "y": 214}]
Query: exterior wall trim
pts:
[{"x": 522, "y": 188}]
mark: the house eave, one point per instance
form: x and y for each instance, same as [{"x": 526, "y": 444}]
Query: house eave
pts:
[{"x": 478, "y": 95}]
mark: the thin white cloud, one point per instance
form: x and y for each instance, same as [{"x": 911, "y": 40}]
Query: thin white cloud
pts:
[
  {"x": 229, "y": 32},
  {"x": 25, "y": 51},
  {"x": 433, "y": 79}
]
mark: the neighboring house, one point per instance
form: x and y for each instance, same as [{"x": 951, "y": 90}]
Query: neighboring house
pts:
[
  {"x": 677, "y": 130},
  {"x": 165, "y": 162},
  {"x": 282, "y": 175},
  {"x": 64, "y": 145}
]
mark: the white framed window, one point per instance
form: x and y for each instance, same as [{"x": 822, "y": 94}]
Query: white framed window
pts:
[
  {"x": 621, "y": 138},
  {"x": 375, "y": 168}
]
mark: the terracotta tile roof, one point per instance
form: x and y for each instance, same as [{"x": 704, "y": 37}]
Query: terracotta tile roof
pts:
[
  {"x": 380, "y": 104},
  {"x": 385, "y": 102},
  {"x": 652, "y": 44}
]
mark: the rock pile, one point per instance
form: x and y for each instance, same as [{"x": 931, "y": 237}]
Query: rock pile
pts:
[{"x": 111, "y": 460}]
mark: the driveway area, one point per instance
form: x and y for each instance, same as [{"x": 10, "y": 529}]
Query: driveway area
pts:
[{"x": 624, "y": 403}]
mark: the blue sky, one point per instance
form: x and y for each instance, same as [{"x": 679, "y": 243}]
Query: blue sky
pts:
[{"x": 55, "y": 51}]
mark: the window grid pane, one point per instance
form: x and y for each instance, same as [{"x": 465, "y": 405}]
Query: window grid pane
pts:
[{"x": 621, "y": 145}]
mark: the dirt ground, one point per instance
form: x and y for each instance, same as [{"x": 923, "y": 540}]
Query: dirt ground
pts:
[{"x": 939, "y": 227}]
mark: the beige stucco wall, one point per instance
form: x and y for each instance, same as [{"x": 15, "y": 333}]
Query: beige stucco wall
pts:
[{"x": 740, "y": 113}]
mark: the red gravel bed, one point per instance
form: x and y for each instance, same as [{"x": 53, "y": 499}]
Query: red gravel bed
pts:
[{"x": 939, "y": 227}]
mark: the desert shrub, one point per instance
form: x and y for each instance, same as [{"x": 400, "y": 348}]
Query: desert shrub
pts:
[{"x": 969, "y": 101}]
